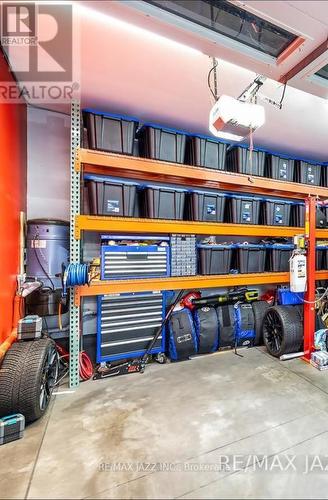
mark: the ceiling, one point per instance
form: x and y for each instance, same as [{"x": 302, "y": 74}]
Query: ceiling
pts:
[{"x": 135, "y": 64}]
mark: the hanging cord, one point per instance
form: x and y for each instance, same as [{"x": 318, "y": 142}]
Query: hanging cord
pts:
[
  {"x": 37, "y": 238},
  {"x": 213, "y": 70},
  {"x": 283, "y": 96}
]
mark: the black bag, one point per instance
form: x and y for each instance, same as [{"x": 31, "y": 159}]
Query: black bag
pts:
[
  {"x": 182, "y": 335},
  {"x": 207, "y": 329},
  {"x": 227, "y": 322}
]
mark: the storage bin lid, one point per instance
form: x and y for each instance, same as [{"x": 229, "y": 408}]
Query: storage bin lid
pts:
[
  {"x": 105, "y": 178},
  {"x": 164, "y": 188},
  {"x": 216, "y": 247},
  {"x": 111, "y": 115},
  {"x": 280, "y": 246},
  {"x": 244, "y": 146},
  {"x": 322, "y": 247},
  {"x": 251, "y": 245},
  {"x": 246, "y": 197},
  {"x": 284, "y": 202},
  {"x": 164, "y": 128},
  {"x": 208, "y": 193},
  {"x": 209, "y": 138}
]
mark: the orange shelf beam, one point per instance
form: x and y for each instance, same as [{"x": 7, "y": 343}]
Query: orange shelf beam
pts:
[
  {"x": 178, "y": 283},
  {"x": 184, "y": 283},
  {"x": 161, "y": 226},
  {"x": 159, "y": 171}
]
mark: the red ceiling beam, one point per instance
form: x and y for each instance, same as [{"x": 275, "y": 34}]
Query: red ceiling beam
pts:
[
  {"x": 321, "y": 49},
  {"x": 290, "y": 49}
]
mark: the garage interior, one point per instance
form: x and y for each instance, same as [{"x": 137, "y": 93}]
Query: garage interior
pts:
[{"x": 165, "y": 220}]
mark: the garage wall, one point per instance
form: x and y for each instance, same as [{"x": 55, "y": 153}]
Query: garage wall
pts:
[
  {"x": 48, "y": 177},
  {"x": 12, "y": 199}
]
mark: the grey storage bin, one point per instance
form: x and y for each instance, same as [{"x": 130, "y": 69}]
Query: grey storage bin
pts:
[
  {"x": 161, "y": 143},
  {"x": 308, "y": 173},
  {"x": 215, "y": 259},
  {"x": 110, "y": 132},
  {"x": 250, "y": 258},
  {"x": 164, "y": 202},
  {"x": 276, "y": 212},
  {"x": 241, "y": 160},
  {"x": 279, "y": 255},
  {"x": 279, "y": 167},
  {"x": 206, "y": 206},
  {"x": 243, "y": 209},
  {"x": 321, "y": 257},
  {"x": 111, "y": 197},
  {"x": 203, "y": 151},
  {"x": 298, "y": 216}
]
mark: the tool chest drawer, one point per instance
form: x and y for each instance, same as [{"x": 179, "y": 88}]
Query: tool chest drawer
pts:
[
  {"x": 127, "y": 323},
  {"x": 128, "y": 261}
]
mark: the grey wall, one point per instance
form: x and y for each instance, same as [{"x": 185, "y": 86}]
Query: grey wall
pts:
[{"x": 48, "y": 177}]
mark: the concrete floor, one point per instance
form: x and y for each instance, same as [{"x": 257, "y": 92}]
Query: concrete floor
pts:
[{"x": 184, "y": 430}]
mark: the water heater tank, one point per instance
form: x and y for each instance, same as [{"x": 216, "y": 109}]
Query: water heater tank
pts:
[{"x": 47, "y": 250}]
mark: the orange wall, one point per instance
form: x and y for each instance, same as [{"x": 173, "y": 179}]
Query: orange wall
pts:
[{"x": 13, "y": 124}]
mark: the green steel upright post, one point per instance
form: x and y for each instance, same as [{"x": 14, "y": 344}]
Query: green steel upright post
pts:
[{"x": 75, "y": 250}]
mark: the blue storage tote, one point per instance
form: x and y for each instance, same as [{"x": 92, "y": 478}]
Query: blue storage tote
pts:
[
  {"x": 107, "y": 196},
  {"x": 279, "y": 255},
  {"x": 241, "y": 160},
  {"x": 287, "y": 298},
  {"x": 276, "y": 212},
  {"x": 206, "y": 206},
  {"x": 110, "y": 132},
  {"x": 250, "y": 257},
  {"x": 162, "y": 202},
  {"x": 243, "y": 209},
  {"x": 215, "y": 259},
  {"x": 279, "y": 167},
  {"x": 162, "y": 143},
  {"x": 203, "y": 151}
]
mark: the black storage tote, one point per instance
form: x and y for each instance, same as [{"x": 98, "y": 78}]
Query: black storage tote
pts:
[
  {"x": 243, "y": 161},
  {"x": 321, "y": 257},
  {"x": 207, "y": 329},
  {"x": 298, "y": 216},
  {"x": 161, "y": 202},
  {"x": 279, "y": 167},
  {"x": 243, "y": 209},
  {"x": 279, "y": 255},
  {"x": 276, "y": 212},
  {"x": 161, "y": 143},
  {"x": 110, "y": 132},
  {"x": 203, "y": 151},
  {"x": 215, "y": 259},
  {"x": 111, "y": 197},
  {"x": 308, "y": 173},
  {"x": 206, "y": 206},
  {"x": 250, "y": 257}
]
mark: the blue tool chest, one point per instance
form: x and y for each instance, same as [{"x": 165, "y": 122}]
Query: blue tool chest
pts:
[
  {"x": 119, "y": 261},
  {"x": 127, "y": 323}
]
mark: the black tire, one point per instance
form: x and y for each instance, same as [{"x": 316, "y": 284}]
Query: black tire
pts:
[
  {"x": 27, "y": 377},
  {"x": 259, "y": 309},
  {"x": 283, "y": 330}
]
